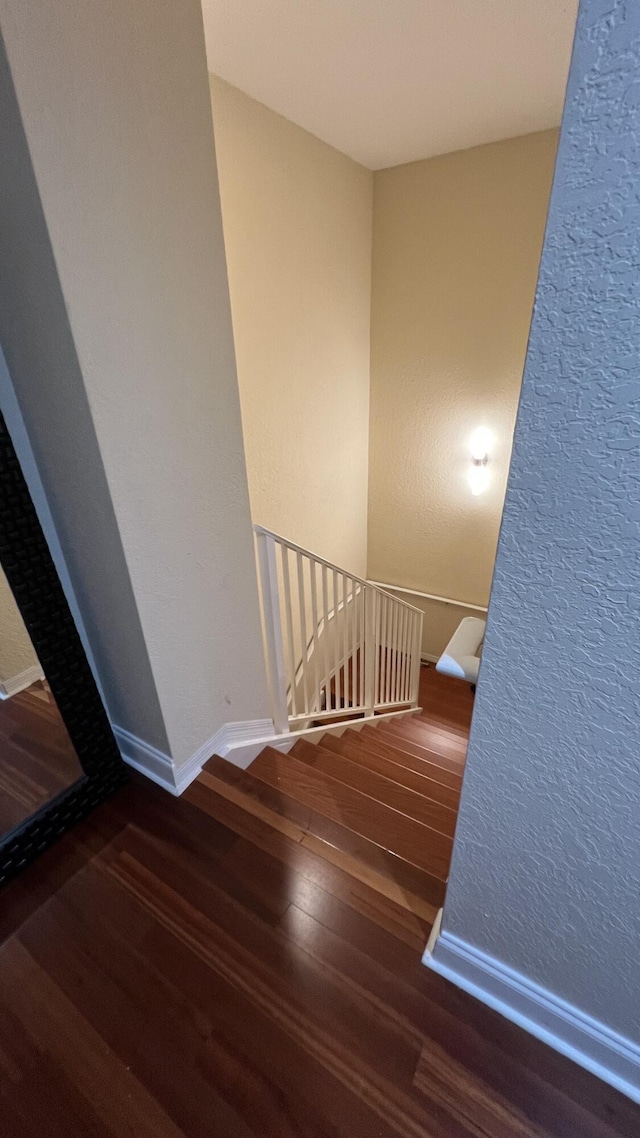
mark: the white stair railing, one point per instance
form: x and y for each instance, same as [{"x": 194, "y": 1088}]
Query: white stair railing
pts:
[{"x": 335, "y": 646}]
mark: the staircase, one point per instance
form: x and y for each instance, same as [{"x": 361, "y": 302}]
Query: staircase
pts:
[
  {"x": 379, "y": 800},
  {"x": 336, "y": 646}
]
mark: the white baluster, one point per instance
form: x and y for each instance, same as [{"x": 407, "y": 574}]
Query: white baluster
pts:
[
  {"x": 303, "y": 631},
  {"x": 336, "y": 638},
  {"x": 316, "y": 650},
  {"x": 407, "y": 689},
  {"x": 326, "y": 640},
  {"x": 284, "y": 553},
  {"x": 345, "y": 618},
  {"x": 370, "y": 649},
  {"x": 389, "y": 641},
  {"x": 361, "y": 637},
  {"x": 417, "y": 648},
  {"x": 404, "y": 614},
  {"x": 276, "y": 674},
  {"x": 396, "y": 652}
]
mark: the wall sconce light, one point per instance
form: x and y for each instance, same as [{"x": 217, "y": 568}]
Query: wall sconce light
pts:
[{"x": 480, "y": 445}]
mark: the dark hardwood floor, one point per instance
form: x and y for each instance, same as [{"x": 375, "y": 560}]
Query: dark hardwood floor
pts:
[
  {"x": 190, "y": 967},
  {"x": 37, "y": 758},
  {"x": 380, "y": 801}
]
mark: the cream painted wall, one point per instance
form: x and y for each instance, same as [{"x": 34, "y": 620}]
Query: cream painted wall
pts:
[
  {"x": 297, "y": 228},
  {"x": 112, "y": 248},
  {"x": 456, "y": 247},
  {"x": 16, "y": 650}
]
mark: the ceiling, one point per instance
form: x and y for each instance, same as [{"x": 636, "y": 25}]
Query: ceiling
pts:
[{"x": 392, "y": 81}]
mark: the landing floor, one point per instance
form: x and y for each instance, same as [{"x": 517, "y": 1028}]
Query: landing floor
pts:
[{"x": 178, "y": 967}]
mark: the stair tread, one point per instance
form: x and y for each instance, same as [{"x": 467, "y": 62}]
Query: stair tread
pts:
[
  {"x": 263, "y": 828},
  {"x": 438, "y": 722},
  {"x": 418, "y": 758},
  {"x": 448, "y": 697},
  {"x": 451, "y": 719},
  {"x": 377, "y": 786},
  {"x": 451, "y": 752},
  {"x": 298, "y": 819},
  {"x": 368, "y": 752},
  {"x": 436, "y": 693},
  {"x": 456, "y": 736},
  {"x": 428, "y": 749},
  {"x": 416, "y": 843}
]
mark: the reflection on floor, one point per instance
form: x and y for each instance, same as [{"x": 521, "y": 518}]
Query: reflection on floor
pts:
[
  {"x": 381, "y": 802},
  {"x": 183, "y": 967},
  {"x": 37, "y": 758}
]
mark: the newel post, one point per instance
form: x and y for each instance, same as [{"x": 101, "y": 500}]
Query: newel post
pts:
[{"x": 272, "y": 628}]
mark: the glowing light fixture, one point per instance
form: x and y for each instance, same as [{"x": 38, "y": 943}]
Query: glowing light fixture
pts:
[{"x": 480, "y": 445}]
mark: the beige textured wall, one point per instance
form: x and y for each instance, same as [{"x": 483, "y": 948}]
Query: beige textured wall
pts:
[
  {"x": 297, "y": 227},
  {"x": 16, "y": 650},
  {"x": 456, "y": 247},
  {"x": 114, "y": 102}
]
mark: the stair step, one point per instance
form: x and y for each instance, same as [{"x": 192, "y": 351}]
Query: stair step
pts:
[
  {"x": 400, "y": 749},
  {"x": 434, "y": 682},
  {"x": 455, "y": 731},
  {"x": 379, "y": 787},
  {"x": 449, "y": 697},
  {"x": 363, "y": 750},
  {"x": 439, "y": 722},
  {"x": 446, "y": 746},
  {"x": 295, "y": 820},
  {"x": 259, "y": 826},
  {"x": 418, "y": 844},
  {"x": 457, "y": 736},
  {"x": 445, "y": 752},
  {"x": 456, "y": 720},
  {"x": 442, "y": 763}
]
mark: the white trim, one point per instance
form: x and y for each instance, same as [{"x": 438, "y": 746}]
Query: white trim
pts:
[
  {"x": 145, "y": 758},
  {"x": 241, "y": 754},
  {"x": 23, "y": 680},
  {"x": 243, "y": 739},
  {"x": 562, "y": 1026},
  {"x": 428, "y": 658},
  {"x": 428, "y": 596},
  {"x": 240, "y": 743},
  {"x": 160, "y": 767}
]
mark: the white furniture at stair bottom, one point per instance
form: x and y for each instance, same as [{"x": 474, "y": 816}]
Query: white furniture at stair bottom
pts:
[{"x": 461, "y": 657}]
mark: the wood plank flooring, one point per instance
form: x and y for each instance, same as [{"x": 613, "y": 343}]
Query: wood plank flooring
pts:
[
  {"x": 208, "y": 966},
  {"x": 386, "y": 796},
  {"x": 37, "y": 758}
]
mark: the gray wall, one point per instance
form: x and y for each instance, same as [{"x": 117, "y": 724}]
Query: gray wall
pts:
[
  {"x": 546, "y": 870},
  {"x": 116, "y": 328}
]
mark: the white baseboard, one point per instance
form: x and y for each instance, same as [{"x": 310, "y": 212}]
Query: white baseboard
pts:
[
  {"x": 151, "y": 762},
  {"x": 175, "y": 778},
  {"x": 23, "y": 680},
  {"x": 240, "y": 743},
  {"x": 564, "y": 1027},
  {"x": 426, "y": 658}
]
